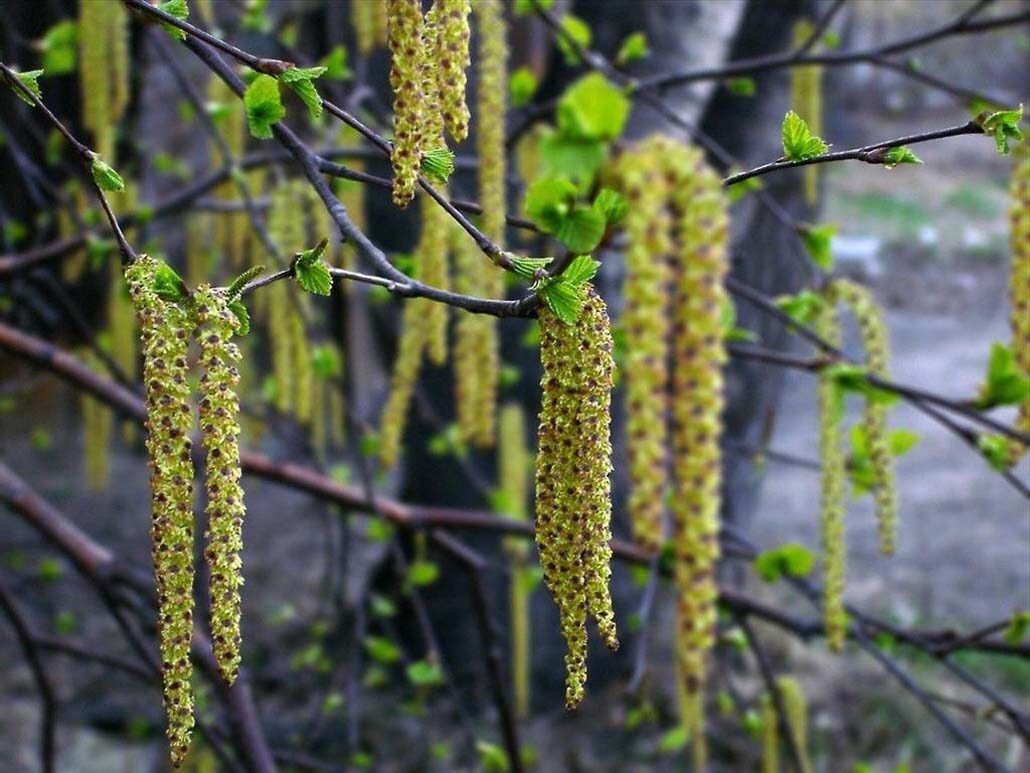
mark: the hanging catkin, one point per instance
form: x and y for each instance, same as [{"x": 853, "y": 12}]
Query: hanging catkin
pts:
[
  {"x": 370, "y": 21},
  {"x": 770, "y": 736},
  {"x": 452, "y": 57},
  {"x": 827, "y": 325},
  {"x": 806, "y": 101},
  {"x": 103, "y": 35},
  {"x": 863, "y": 306},
  {"x": 1019, "y": 282},
  {"x": 164, "y": 332},
  {"x": 573, "y": 492},
  {"x": 406, "y": 47},
  {"x": 795, "y": 707},
  {"x": 219, "y": 425},
  {"x": 232, "y": 228},
  {"x": 406, "y": 368},
  {"x": 698, "y": 354},
  {"x": 646, "y": 325},
  {"x": 97, "y": 421}
]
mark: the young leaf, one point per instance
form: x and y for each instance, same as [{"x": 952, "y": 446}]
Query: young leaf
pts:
[
  {"x": 790, "y": 559},
  {"x": 995, "y": 450},
  {"x": 381, "y": 649},
  {"x": 741, "y": 87},
  {"x": 314, "y": 277},
  {"x": 737, "y": 191},
  {"x": 59, "y": 45},
  {"x": 438, "y": 164},
  {"x": 817, "y": 240},
  {"x": 522, "y": 86},
  {"x": 592, "y": 108},
  {"x": 854, "y": 378},
  {"x": 802, "y": 306},
  {"x": 168, "y": 285},
  {"x": 1003, "y": 125},
  {"x": 335, "y": 64},
  {"x": 527, "y": 268},
  {"x": 576, "y": 159},
  {"x": 901, "y": 441},
  {"x": 549, "y": 200},
  {"x": 325, "y": 362},
  {"x": 299, "y": 79},
  {"x": 264, "y": 106},
  {"x": 581, "y": 270},
  {"x": 242, "y": 316},
  {"x": 422, "y": 673},
  {"x": 799, "y": 144},
  {"x": 106, "y": 178},
  {"x": 634, "y": 47},
  {"x": 30, "y": 80},
  {"x": 581, "y": 230},
  {"x": 422, "y": 573},
  {"x": 564, "y": 299},
  {"x": 1018, "y": 628},
  {"x": 611, "y": 205},
  {"x": 901, "y": 155},
  {"x": 1005, "y": 384},
  {"x": 180, "y": 11},
  {"x": 522, "y": 7},
  {"x": 577, "y": 31}
]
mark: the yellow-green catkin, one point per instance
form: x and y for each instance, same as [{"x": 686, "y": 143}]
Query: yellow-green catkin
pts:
[
  {"x": 406, "y": 368},
  {"x": 646, "y": 324},
  {"x": 452, "y": 58},
  {"x": 369, "y": 18},
  {"x": 165, "y": 332},
  {"x": 573, "y": 491},
  {"x": 1019, "y": 282},
  {"x": 806, "y": 100},
  {"x": 513, "y": 472},
  {"x": 833, "y": 506},
  {"x": 352, "y": 195},
  {"x": 863, "y": 306},
  {"x": 103, "y": 70},
  {"x": 795, "y": 707},
  {"x": 300, "y": 349},
  {"x": 232, "y": 229},
  {"x": 698, "y": 355},
  {"x": 406, "y": 47},
  {"x": 770, "y": 736},
  {"x": 220, "y": 429},
  {"x": 97, "y": 421},
  {"x": 469, "y": 334}
]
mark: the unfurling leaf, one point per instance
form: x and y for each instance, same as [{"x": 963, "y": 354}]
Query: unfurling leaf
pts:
[
  {"x": 901, "y": 155},
  {"x": 264, "y": 106},
  {"x": 799, "y": 144},
  {"x": 30, "y": 80},
  {"x": 180, "y": 11},
  {"x": 105, "y": 176}
]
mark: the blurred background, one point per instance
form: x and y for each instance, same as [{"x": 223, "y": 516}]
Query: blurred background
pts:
[{"x": 930, "y": 240}]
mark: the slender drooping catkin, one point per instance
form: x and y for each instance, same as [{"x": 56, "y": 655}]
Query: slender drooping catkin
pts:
[
  {"x": 1019, "y": 282},
  {"x": 103, "y": 35},
  {"x": 573, "y": 493},
  {"x": 452, "y": 57},
  {"x": 231, "y": 228},
  {"x": 513, "y": 471},
  {"x": 863, "y": 306},
  {"x": 470, "y": 332},
  {"x": 164, "y": 332},
  {"x": 646, "y": 325},
  {"x": 97, "y": 421},
  {"x": 806, "y": 100},
  {"x": 770, "y": 735},
  {"x": 795, "y": 707},
  {"x": 406, "y": 47},
  {"x": 220, "y": 430},
  {"x": 406, "y": 368},
  {"x": 827, "y": 325}
]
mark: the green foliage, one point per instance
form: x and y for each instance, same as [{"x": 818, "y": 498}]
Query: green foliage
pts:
[
  {"x": 995, "y": 449},
  {"x": 30, "y": 80},
  {"x": 522, "y": 7},
  {"x": 799, "y": 144},
  {"x": 335, "y": 64},
  {"x": 860, "y": 468},
  {"x": 817, "y": 240},
  {"x": 592, "y": 108},
  {"x": 674, "y": 740},
  {"x": 522, "y": 86},
  {"x": 737, "y": 191},
  {"x": 1018, "y": 628},
  {"x": 741, "y": 87},
  {"x": 803, "y": 306},
  {"x": 492, "y": 758},
  {"x": 438, "y": 164},
  {"x": 167, "y": 284},
  {"x": 551, "y": 204},
  {"x": 1003, "y": 125},
  {"x": 325, "y": 362},
  {"x": 311, "y": 272},
  {"x": 49, "y": 570},
  {"x": 242, "y": 316},
  {"x": 180, "y": 11},
  {"x": 382, "y": 650},
  {"x": 300, "y": 80},
  {"x": 422, "y": 673},
  {"x": 612, "y": 206},
  {"x": 576, "y": 159},
  {"x": 900, "y": 155},
  {"x": 264, "y": 106},
  {"x": 422, "y": 573},
  {"x": 576, "y": 34},
  {"x": 791, "y": 559},
  {"x": 1006, "y": 384},
  {"x": 565, "y": 294},
  {"x": 634, "y": 47},
  {"x": 59, "y": 45}
]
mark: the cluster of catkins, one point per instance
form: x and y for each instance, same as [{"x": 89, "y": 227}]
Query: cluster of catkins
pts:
[
  {"x": 806, "y": 95},
  {"x": 103, "y": 36},
  {"x": 1019, "y": 283},
  {"x": 674, "y": 297},
  {"x": 432, "y": 49},
  {"x": 573, "y": 491},
  {"x": 166, "y": 328},
  {"x": 860, "y": 302},
  {"x": 369, "y": 20}
]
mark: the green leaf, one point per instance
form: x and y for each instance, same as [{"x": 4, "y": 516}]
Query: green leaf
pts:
[
  {"x": 264, "y": 106},
  {"x": 65, "y": 622},
  {"x": 576, "y": 30},
  {"x": 549, "y": 201},
  {"x": 305, "y": 89},
  {"x": 799, "y": 144},
  {"x": 580, "y": 270},
  {"x": 1018, "y": 628},
  {"x": 492, "y": 758},
  {"x": 995, "y": 450},
  {"x": 576, "y": 159},
  {"x": 59, "y": 45},
  {"x": 527, "y": 268},
  {"x": 422, "y": 673},
  {"x": 612, "y": 205},
  {"x": 378, "y": 529},
  {"x": 817, "y": 240},
  {"x": 1006, "y": 384},
  {"x": 335, "y": 64},
  {"x": 168, "y": 285},
  {"x": 737, "y": 191},
  {"x": 381, "y": 649},
  {"x": 592, "y": 108},
  {"x": 730, "y": 331},
  {"x": 106, "y": 178},
  {"x": 1003, "y": 125},
  {"x": 422, "y": 573},
  {"x": 791, "y": 559},
  {"x": 522, "y": 7},
  {"x": 674, "y": 740},
  {"x": 311, "y": 272},
  {"x": 522, "y": 86},
  {"x": 633, "y": 48},
  {"x": 438, "y": 164},
  {"x": 49, "y": 570},
  {"x": 741, "y": 87},
  {"x": 802, "y": 306},
  {"x": 901, "y": 155},
  {"x": 582, "y": 230},
  {"x": 854, "y": 378},
  {"x": 901, "y": 441},
  {"x": 564, "y": 299},
  {"x": 180, "y": 11},
  {"x": 30, "y": 80},
  {"x": 325, "y": 362},
  {"x": 242, "y": 317}
]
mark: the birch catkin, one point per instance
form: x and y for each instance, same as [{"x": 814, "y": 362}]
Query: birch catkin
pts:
[
  {"x": 164, "y": 330},
  {"x": 220, "y": 429},
  {"x": 806, "y": 98},
  {"x": 103, "y": 70},
  {"x": 406, "y": 47},
  {"x": 1019, "y": 282},
  {"x": 452, "y": 57},
  {"x": 860, "y": 302},
  {"x": 573, "y": 494}
]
